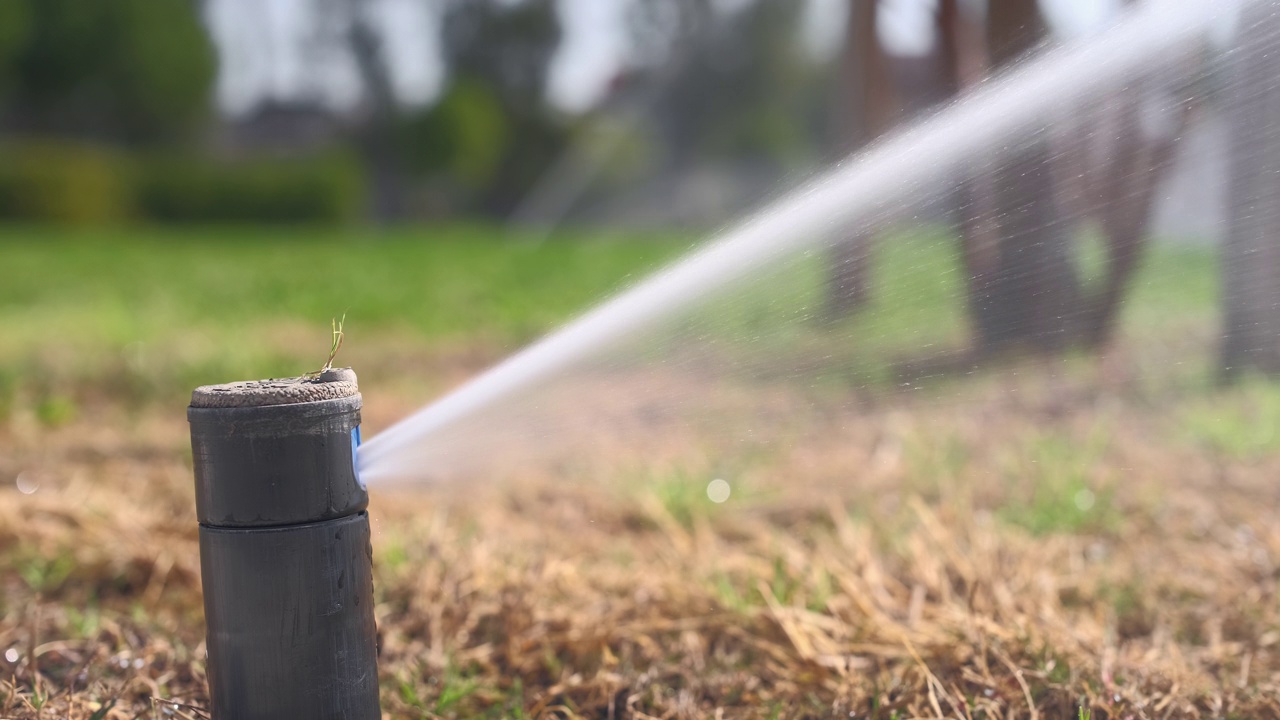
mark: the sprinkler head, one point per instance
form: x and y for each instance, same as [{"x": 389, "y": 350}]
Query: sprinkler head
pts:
[{"x": 285, "y": 557}]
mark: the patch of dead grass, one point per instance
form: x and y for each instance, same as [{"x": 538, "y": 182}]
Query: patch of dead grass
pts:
[{"x": 870, "y": 570}]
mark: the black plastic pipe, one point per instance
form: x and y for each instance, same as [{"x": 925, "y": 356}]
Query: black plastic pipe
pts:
[{"x": 285, "y": 558}]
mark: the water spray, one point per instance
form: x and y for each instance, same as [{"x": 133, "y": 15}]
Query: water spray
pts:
[
  {"x": 904, "y": 163},
  {"x": 285, "y": 554}
]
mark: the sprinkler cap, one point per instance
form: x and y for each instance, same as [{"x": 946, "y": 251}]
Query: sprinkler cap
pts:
[
  {"x": 327, "y": 385},
  {"x": 278, "y": 452}
]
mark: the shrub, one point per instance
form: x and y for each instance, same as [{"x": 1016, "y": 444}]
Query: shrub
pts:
[
  {"x": 49, "y": 181},
  {"x": 73, "y": 183},
  {"x": 326, "y": 188}
]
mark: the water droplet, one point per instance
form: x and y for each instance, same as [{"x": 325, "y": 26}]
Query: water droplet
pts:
[
  {"x": 718, "y": 490},
  {"x": 28, "y": 482},
  {"x": 12, "y": 655}
]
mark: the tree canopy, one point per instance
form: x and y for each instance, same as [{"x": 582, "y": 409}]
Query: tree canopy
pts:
[{"x": 129, "y": 70}]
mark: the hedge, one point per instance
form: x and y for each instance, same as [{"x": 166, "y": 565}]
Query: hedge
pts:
[{"x": 70, "y": 183}]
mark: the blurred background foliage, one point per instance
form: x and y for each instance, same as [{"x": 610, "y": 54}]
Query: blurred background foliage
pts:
[
  {"x": 132, "y": 72},
  {"x": 109, "y": 111},
  {"x": 679, "y": 114}
]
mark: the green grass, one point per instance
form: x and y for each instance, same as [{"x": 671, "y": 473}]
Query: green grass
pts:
[
  {"x": 1054, "y": 486},
  {"x": 774, "y": 318},
  {"x": 448, "y": 283},
  {"x": 160, "y": 310},
  {"x": 165, "y": 309},
  {"x": 917, "y": 299},
  {"x": 1239, "y": 423},
  {"x": 683, "y": 496}
]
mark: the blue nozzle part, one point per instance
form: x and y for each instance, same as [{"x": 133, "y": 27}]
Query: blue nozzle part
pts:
[{"x": 355, "y": 448}]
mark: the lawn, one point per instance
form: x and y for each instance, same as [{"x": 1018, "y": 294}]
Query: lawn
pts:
[
  {"x": 160, "y": 311},
  {"x": 449, "y": 283},
  {"x": 195, "y": 307},
  {"x": 1091, "y": 533}
]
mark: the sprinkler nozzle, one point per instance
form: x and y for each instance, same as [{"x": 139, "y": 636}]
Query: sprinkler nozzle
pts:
[{"x": 285, "y": 554}]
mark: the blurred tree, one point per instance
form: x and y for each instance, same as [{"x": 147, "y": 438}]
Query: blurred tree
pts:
[
  {"x": 465, "y": 136},
  {"x": 962, "y": 54},
  {"x": 375, "y": 135},
  {"x": 1024, "y": 291},
  {"x": 499, "y": 55},
  {"x": 129, "y": 70},
  {"x": 1251, "y": 252},
  {"x": 1121, "y": 149},
  {"x": 868, "y": 108},
  {"x": 15, "y": 29},
  {"x": 742, "y": 86},
  {"x": 1020, "y": 217},
  {"x": 1019, "y": 223}
]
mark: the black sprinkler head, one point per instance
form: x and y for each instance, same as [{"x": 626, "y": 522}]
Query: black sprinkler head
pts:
[{"x": 285, "y": 556}]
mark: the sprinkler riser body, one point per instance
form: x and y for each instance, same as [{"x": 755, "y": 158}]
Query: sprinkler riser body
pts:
[
  {"x": 290, "y": 621},
  {"x": 286, "y": 561}
]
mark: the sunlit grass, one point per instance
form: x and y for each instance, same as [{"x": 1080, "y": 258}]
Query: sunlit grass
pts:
[
  {"x": 1240, "y": 423},
  {"x": 166, "y": 309},
  {"x": 449, "y": 282}
]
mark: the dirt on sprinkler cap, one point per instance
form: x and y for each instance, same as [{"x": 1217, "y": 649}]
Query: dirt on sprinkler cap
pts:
[{"x": 328, "y": 385}]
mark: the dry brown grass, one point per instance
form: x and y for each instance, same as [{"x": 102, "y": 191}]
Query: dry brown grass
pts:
[{"x": 899, "y": 564}]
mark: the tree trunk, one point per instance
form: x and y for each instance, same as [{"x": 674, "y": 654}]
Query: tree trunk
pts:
[
  {"x": 972, "y": 204},
  {"x": 1016, "y": 218},
  {"x": 1014, "y": 27},
  {"x": 1024, "y": 293},
  {"x": 869, "y": 111},
  {"x": 1251, "y": 251},
  {"x": 376, "y": 139},
  {"x": 1123, "y": 200},
  {"x": 961, "y": 49},
  {"x": 1029, "y": 299}
]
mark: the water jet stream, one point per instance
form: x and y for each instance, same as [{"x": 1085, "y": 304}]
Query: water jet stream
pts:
[{"x": 904, "y": 162}]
